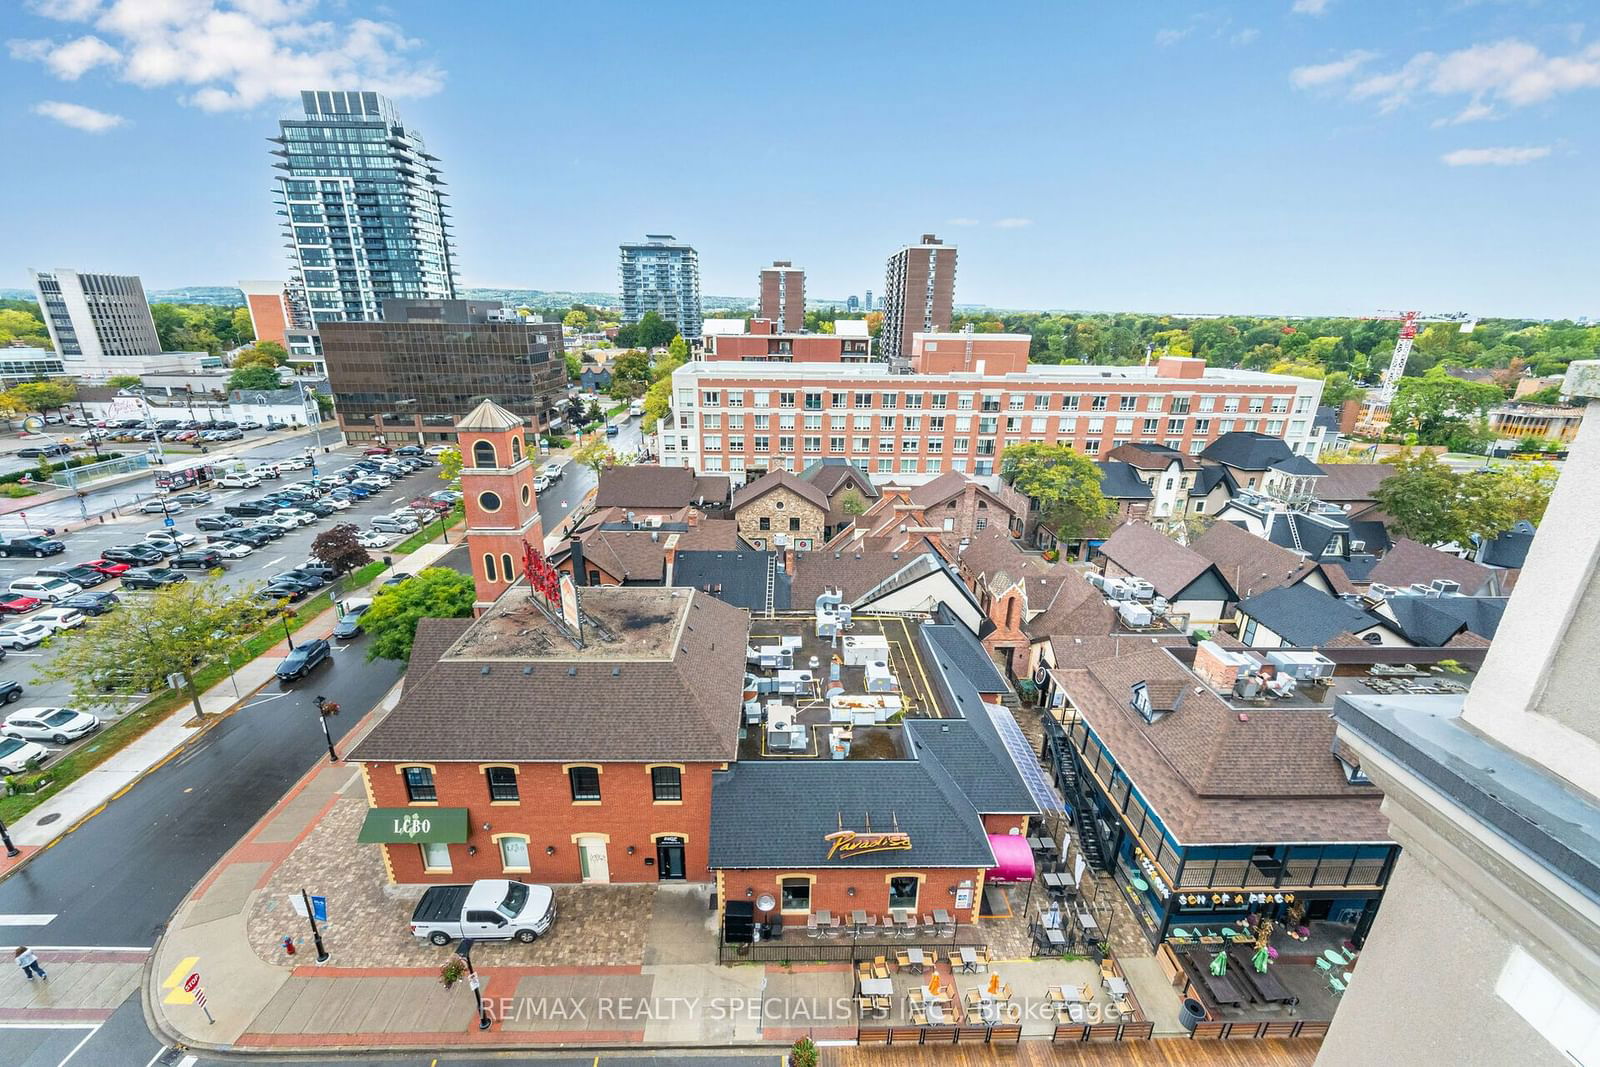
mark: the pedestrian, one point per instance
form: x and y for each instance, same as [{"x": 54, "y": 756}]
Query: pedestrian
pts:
[{"x": 30, "y": 963}]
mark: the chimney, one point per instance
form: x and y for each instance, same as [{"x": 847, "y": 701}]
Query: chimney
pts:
[
  {"x": 788, "y": 562},
  {"x": 693, "y": 518},
  {"x": 1218, "y": 666}
]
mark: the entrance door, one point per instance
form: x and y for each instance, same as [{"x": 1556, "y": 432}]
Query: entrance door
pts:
[
  {"x": 669, "y": 859},
  {"x": 592, "y": 857}
]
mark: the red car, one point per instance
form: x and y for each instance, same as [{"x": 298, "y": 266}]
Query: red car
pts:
[
  {"x": 17, "y": 605},
  {"x": 438, "y": 507},
  {"x": 376, "y": 450},
  {"x": 106, "y": 567}
]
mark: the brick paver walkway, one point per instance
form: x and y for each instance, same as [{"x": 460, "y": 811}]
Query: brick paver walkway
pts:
[{"x": 369, "y": 920}]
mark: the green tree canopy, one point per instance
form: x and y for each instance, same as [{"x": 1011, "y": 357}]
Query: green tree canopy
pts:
[
  {"x": 123, "y": 381},
  {"x": 450, "y": 465},
  {"x": 256, "y": 378},
  {"x": 577, "y": 320},
  {"x": 436, "y": 593},
  {"x": 1438, "y": 409},
  {"x": 1064, "y": 484},
  {"x": 338, "y": 548},
  {"x": 254, "y": 357},
  {"x": 574, "y": 368},
  {"x": 42, "y": 396},
  {"x": 596, "y": 455},
  {"x": 1430, "y": 502}
]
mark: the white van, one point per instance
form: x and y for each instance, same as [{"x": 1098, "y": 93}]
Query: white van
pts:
[{"x": 55, "y": 590}]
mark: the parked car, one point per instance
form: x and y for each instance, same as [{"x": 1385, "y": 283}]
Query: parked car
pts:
[
  {"x": 390, "y": 524},
  {"x": 282, "y": 522},
  {"x": 82, "y": 575},
  {"x": 269, "y": 530},
  {"x": 408, "y": 450},
  {"x": 133, "y": 555},
  {"x": 490, "y": 909},
  {"x": 396, "y": 578},
  {"x": 194, "y": 499},
  {"x": 37, "y": 547},
  {"x": 57, "y": 725},
  {"x": 294, "y": 463},
  {"x": 201, "y": 559},
  {"x": 448, "y": 496},
  {"x": 437, "y": 450},
  {"x": 58, "y": 619},
  {"x": 42, "y": 451},
  {"x": 17, "y": 755},
  {"x": 319, "y": 569},
  {"x": 376, "y": 450},
  {"x": 152, "y": 578},
  {"x": 334, "y": 503},
  {"x": 359, "y": 492},
  {"x": 349, "y": 624},
  {"x": 164, "y": 545},
  {"x": 17, "y": 604},
  {"x": 552, "y": 470},
  {"x": 298, "y": 515},
  {"x": 217, "y": 522},
  {"x": 160, "y": 505},
  {"x": 92, "y": 603},
  {"x": 250, "y": 509},
  {"x": 171, "y": 533},
  {"x": 231, "y": 549},
  {"x": 54, "y": 590},
  {"x": 239, "y": 481},
  {"x": 375, "y": 539},
  {"x": 22, "y": 634},
  {"x": 540, "y": 483},
  {"x": 302, "y": 578},
  {"x": 307, "y": 655},
  {"x": 276, "y": 591},
  {"x": 249, "y": 424},
  {"x": 433, "y": 507},
  {"x": 109, "y": 567}
]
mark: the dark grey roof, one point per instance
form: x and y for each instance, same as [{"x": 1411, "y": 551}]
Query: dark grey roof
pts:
[
  {"x": 1297, "y": 464},
  {"x": 1248, "y": 451},
  {"x": 1305, "y": 617},
  {"x": 1509, "y": 549},
  {"x": 1119, "y": 481},
  {"x": 966, "y": 654},
  {"x": 738, "y": 578},
  {"x": 1359, "y": 565},
  {"x": 1313, "y": 532},
  {"x": 777, "y": 813},
  {"x": 1373, "y": 534},
  {"x": 1209, "y": 477},
  {"x": 1326, "y": 417},
  {"x": 1434, "y": 621}
]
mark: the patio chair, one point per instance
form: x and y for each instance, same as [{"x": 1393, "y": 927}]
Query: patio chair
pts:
[
  {"x": 1011, "y": 1013},
  {"x": 919, "y": 1016},
  {"x": 1107, "y": 970},
  {"x": 916, "y": 995},
  {"x": 1349, "y": 956},
  {"x": 1005, "y": 992},
  {"x": 1055, "y": 995},
  {"x": 1336, "y": 985},
  {"x": 863, "y": 971},
  {"x": 811, "y": 927},
  {"x": 881, "y": 1005},
  {"x": 902, "y": 960},
  {"x": 880, "y": 968},
  {"x": 1323, "y": 965},
  {"x": 864, "y": 1006}
]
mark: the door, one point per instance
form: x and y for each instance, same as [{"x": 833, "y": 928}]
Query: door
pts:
[
  {"x": 488, "y": 925},
  {"x": 669, "y": 859},
  {"x": 592, "y": 857}
]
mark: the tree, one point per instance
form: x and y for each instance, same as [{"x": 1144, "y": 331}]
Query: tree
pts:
[
  {"x": 574, "y": 368},
  {"x": 244, "y": 329},
  {"x": 1429, "y": 502},
  {"x": 593, "y": 413},
  {"x": 1299, "y": 369},
  {"x": 123, "y": 381},
  {"x": 254, "y": 378},
  {"x": 596, "y": 455},
  {"x": 657, "y": 402},
  {"x": 1550, "y": 394},
  {"x": 175, "y": 630},
  {"x": 631, "y": 366},
  {"x": 391, "y": 622},
  {"x": 852, "y": 503},
  {"x": 1337, "y": 389},
  {"x": 577, "y": 320},
  {"x": 254, "y": 357},
  {"x": 273, "y": 349},
  {"x": 338, "y": 548},
  {"x": 1064, "y": 484},
  {"x": 450, "y": 465},
  {"x": 42, "y": 396},
  {"x": 1436, "y": 407},
  {"x": 678, "y": 350}
]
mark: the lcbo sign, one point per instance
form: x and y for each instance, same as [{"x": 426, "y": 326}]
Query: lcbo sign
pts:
[{"x": 411, "y": 825}]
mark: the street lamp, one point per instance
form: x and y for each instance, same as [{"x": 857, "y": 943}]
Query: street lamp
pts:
[
  {"x": 286, "y": 635},
  {"x": 5, "y": 838},
  {"x": 464, "y": 952},
  {"x": 326, "y": 708}
]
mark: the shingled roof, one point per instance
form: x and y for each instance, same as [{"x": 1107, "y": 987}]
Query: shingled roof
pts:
[
  {"x": 1245, "y": 450},
  {"x": 656, "y": 488},
  {"x": 1351, "y": 483},
  {"x": 1243, "y": 558},
  {"x": 1411, "y": 563},
  {"x": 1305, "y": 617},
  {"x": 1145, "y": 552},
  {"x": 1120, "y": 481},
  {"x": 659, "y": 679},
  {"x": 759, "y": 488}
]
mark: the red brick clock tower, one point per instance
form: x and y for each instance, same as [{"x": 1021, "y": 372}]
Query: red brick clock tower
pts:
[{"x": 497, "y": 486}]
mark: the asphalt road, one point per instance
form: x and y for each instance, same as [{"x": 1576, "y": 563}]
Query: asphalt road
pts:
[{"x": 557, "y": 502}]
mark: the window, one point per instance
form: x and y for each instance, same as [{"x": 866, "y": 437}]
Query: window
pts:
[
  {"x": 711, "y": 398},
  {"x": 1180, "y": 405},
  {"x": 1098, "y": 403},
  {"x": 794, "y": 894},
  {"x": 514, "y": 854},
  {"x": 516, "y": 450},
  {"x": 764, "y": 523},
  {"x": 1069, "y": 402},
  {"x": 836, "y": 400},
  {"x": 1126, "y": 403},
  {"x": 813, "y": 444},
  {"x": 785, "y": 399},
  {"x": 435, "y": 856},
  {"x": 666, "y": 783},
  {"x": 903, "y": 892},
  {"x": 736, "y": 443},
  {"x": 888, "y": 400},
  {"x": 836, "y": 444},
  {"x": 938, "y": 400},
  {"x": 813, "y": 401},
  {"x": 489, "y": 501},
  {"x": 419, "y": 784},
  {"x": 585, "y": 783},
  {"x": 794, "y": 524},
  {"x": 483, "y": 454},
  {"x": 502, "y": 783},
  {"x": 505, "y": 566},
  {"x": 885, "y": 422},
  {"x": 863, "y": 400},
  {"x": 489, "y": 567}
]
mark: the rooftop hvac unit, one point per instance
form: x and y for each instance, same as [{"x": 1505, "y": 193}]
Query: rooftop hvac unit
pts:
[
  {"x": 1116, "y": 589},
  {"x": 1303, "y": 666},
  {"x": 1358, "y": 546},
  {"x": 1134, "y": 614},
  {"x": 1160, "y": 605},
  {"x": 1444, "y": 587},
  {"x": 1379, "y": 589},
  {"x": 1096, "y": 580},
  {"x": 1141, "y": 589}
]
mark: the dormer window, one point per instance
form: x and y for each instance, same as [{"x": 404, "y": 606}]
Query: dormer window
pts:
[{"x": 1155, "y": 700}]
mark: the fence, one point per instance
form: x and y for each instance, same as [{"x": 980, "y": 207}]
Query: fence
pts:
[
  {"x": 73, "y": 477},
  {"x": 1002, "y": 1034},
  {"x": 803, "y": 949}
]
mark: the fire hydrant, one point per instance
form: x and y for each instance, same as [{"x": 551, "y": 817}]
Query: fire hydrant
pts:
[{"x": 288, "y": 945}]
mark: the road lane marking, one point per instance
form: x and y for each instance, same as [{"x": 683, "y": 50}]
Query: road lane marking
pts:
[
  {"x": 26, "y": 920},
  {"x": 78, "y": 1046},
  {"x": 266, "y": 700},
  {"x": 275, "y": 562}
]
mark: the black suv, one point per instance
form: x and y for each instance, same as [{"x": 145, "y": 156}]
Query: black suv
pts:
[
  {"x": 87, "y": 577},
  {"x": 201, "y": 559},
  {"x": 133, "y": 555},
  {"x": 91, "y": 603},
  {"x": 306, "y": 656},
  {"x": 249, "y": 536},
  {"x": 37, "y": 547},
  {"x": 217, "y": 522},
  {"x": 152, "y": 578},
  {"x": 251, "y": 508}
]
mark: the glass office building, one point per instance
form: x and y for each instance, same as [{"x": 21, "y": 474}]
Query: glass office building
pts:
[{"x": 363, "y": 208}]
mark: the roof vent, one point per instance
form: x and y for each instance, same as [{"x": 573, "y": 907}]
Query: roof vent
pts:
[
  {"x": 572, "y": 672},
  {"x": 616, "y": 672},
  {"x": 485, "y": 670},
  {"x": 527, "y": 672}
]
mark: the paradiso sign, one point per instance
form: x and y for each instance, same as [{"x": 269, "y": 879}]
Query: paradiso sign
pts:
[{"x": 849, "y": 843}]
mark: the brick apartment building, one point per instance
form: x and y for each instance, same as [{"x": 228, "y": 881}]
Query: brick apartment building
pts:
[
  {"x": 783, "y": 295},
  {"x": 969, "y": 352},
  {"x": 763, "y": 340},
  {"x": 740, "y": 419},
  {"x": 919, "y": 293}
]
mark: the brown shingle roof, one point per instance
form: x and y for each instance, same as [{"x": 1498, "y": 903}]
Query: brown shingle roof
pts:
[
  {"x": 780, "y": 480},
  {"x": 1242, "y": 557},
  {"x": 1080, "y": 650},
  {"x": 627, "y": 555},
  {"x": 710, "y": 535},
  {"x": 1071, "y": 606},
  {"x": 647, "y": 486},
  {"x": 853, "y": 573},
  {"x": 1351, "y": 483},
  {"x": 666, "y": 687},
  {"x": 1145, "y": 552},
  {"x": 1409, "y": 562},
  {"x": 993, "y": 552}
]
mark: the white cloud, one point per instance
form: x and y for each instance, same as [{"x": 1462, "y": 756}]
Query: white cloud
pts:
[
  {"x": 1245, "y": 36},
  {"x": 962, "y": 221},
  {"x": 1473, "y": 112},
  {"x": 1327, "y": 73},
  {"x": 230, "y": 54},
  {"x": 1510, "y": 72},
  {"x": 1494, "y": 157},
  {"x": 1310, "y": 7},
  {"x": 1164, "y": 38},
  {"x": 1012, "y": 223},
  {"x": 77, "y": 116}
]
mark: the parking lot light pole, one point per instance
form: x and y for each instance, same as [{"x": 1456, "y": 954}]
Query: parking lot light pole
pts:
[
  {"x": 324, "y": 710},
  {"x": 464, "y": 951},
  {"x": 5, "y": 838}
]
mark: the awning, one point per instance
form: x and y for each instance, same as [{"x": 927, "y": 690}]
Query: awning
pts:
[
  {"x": 1013, "y": 859},
  {"x": 438, "y": 825}
]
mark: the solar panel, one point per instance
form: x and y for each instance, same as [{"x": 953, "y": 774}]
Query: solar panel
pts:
[{"x": 1043, "y": 792}]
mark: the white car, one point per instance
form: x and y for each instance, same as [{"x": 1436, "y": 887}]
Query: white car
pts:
[
  {"x": 282, "y": 522},
  {"x": 540, "y": 483},
  {"x": 373, "y": 482},
  {"x": 337, "y": 503},
  {"x": 437, "y": 450},
  {"x": 23, "y": 634},
  {"x": 293, "y": 463},
  {"x": 17, "y": 755},
  {"x": 54, "y": 590},
  {"x": 552, "y": 470},
  {"x": 375, "y": 539},
  {"x": 390, "y": 524},
  {"x": 239, "y": 481},
  {"x": 231, "y": 549},
  {"x": 304, "y": 518},
  {"x": 171, "y": 533},
  {"x": 58, "y": 619},
  {"x": 59, "y": 725},
  {"x": 264, "y": 470}
]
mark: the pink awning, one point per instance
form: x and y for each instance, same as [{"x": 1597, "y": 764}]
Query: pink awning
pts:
[{"x": 1013, "y": 859}]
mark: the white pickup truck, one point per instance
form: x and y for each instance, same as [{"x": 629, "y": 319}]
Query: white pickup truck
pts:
[{"x": 490, "y": 909}]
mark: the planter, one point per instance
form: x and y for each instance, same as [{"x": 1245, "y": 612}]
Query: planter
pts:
[{"x": 1191, "y": 1013}]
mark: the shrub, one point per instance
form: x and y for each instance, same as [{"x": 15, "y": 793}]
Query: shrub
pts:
[{"x": 803, "y": 1053}]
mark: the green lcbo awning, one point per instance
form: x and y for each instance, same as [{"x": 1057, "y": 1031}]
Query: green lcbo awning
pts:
[{"x": 390, "y": 825}]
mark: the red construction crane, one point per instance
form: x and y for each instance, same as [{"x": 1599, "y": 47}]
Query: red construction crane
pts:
[{"x": 1402, "y": 346}]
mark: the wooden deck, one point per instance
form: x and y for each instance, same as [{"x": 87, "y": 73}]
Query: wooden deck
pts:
[{"x": 1176, "y": 1052}]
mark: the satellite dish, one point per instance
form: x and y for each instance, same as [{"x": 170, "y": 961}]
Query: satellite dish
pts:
[{"x": 765, "y": 902}]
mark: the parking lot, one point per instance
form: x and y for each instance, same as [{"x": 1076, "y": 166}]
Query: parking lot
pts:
[{"x": 254, "y": 569}]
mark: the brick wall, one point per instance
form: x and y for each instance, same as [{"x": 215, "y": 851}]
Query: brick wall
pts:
[
  {"x": 830, "y": 890},
  {"x": 779, "y": 506},
  {"x": 546, "y": 813}
]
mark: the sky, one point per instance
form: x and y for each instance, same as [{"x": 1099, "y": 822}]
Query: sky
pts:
[{"x": 1270, "y": 156}]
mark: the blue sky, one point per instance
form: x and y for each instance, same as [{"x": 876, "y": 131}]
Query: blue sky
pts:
[{"x": 1300, "y": 156}]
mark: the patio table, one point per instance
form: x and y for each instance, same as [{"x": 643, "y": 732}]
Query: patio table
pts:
[
  {"x": 918, "y": 960},
  {"x": 942, "y": 918},
  {"x": 1334, "y": 958},
  {"x": 1047, "y": 845},
  {"x": 1071, "y": 994},
  {"x": 969, "y": 960},
  {"x": 1117, "y": 987},
  {"x": 1055, "y": 939},
  {"x": 877, "y": 987},
  {"x": 858, "y": 918},
  {"x": 824, "y": 918},
  {"x": 1033, "y": 844},
  {"x": 1087, "y": 920},
  {"x": 1266, "y": 984},
  {"x": 936, "y": 1012},
  {"x": 1075, "y": 1011}
]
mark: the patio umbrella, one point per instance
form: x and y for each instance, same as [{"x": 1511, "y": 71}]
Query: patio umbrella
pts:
[
  {"x": 1219, "y": 964},
  {"x": 1260, "y": 961}
]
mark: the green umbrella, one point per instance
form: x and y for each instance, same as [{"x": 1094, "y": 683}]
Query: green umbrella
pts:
[
  {"x": 1260, "y": 961},
  {"x": 1219, "y": 964}
]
